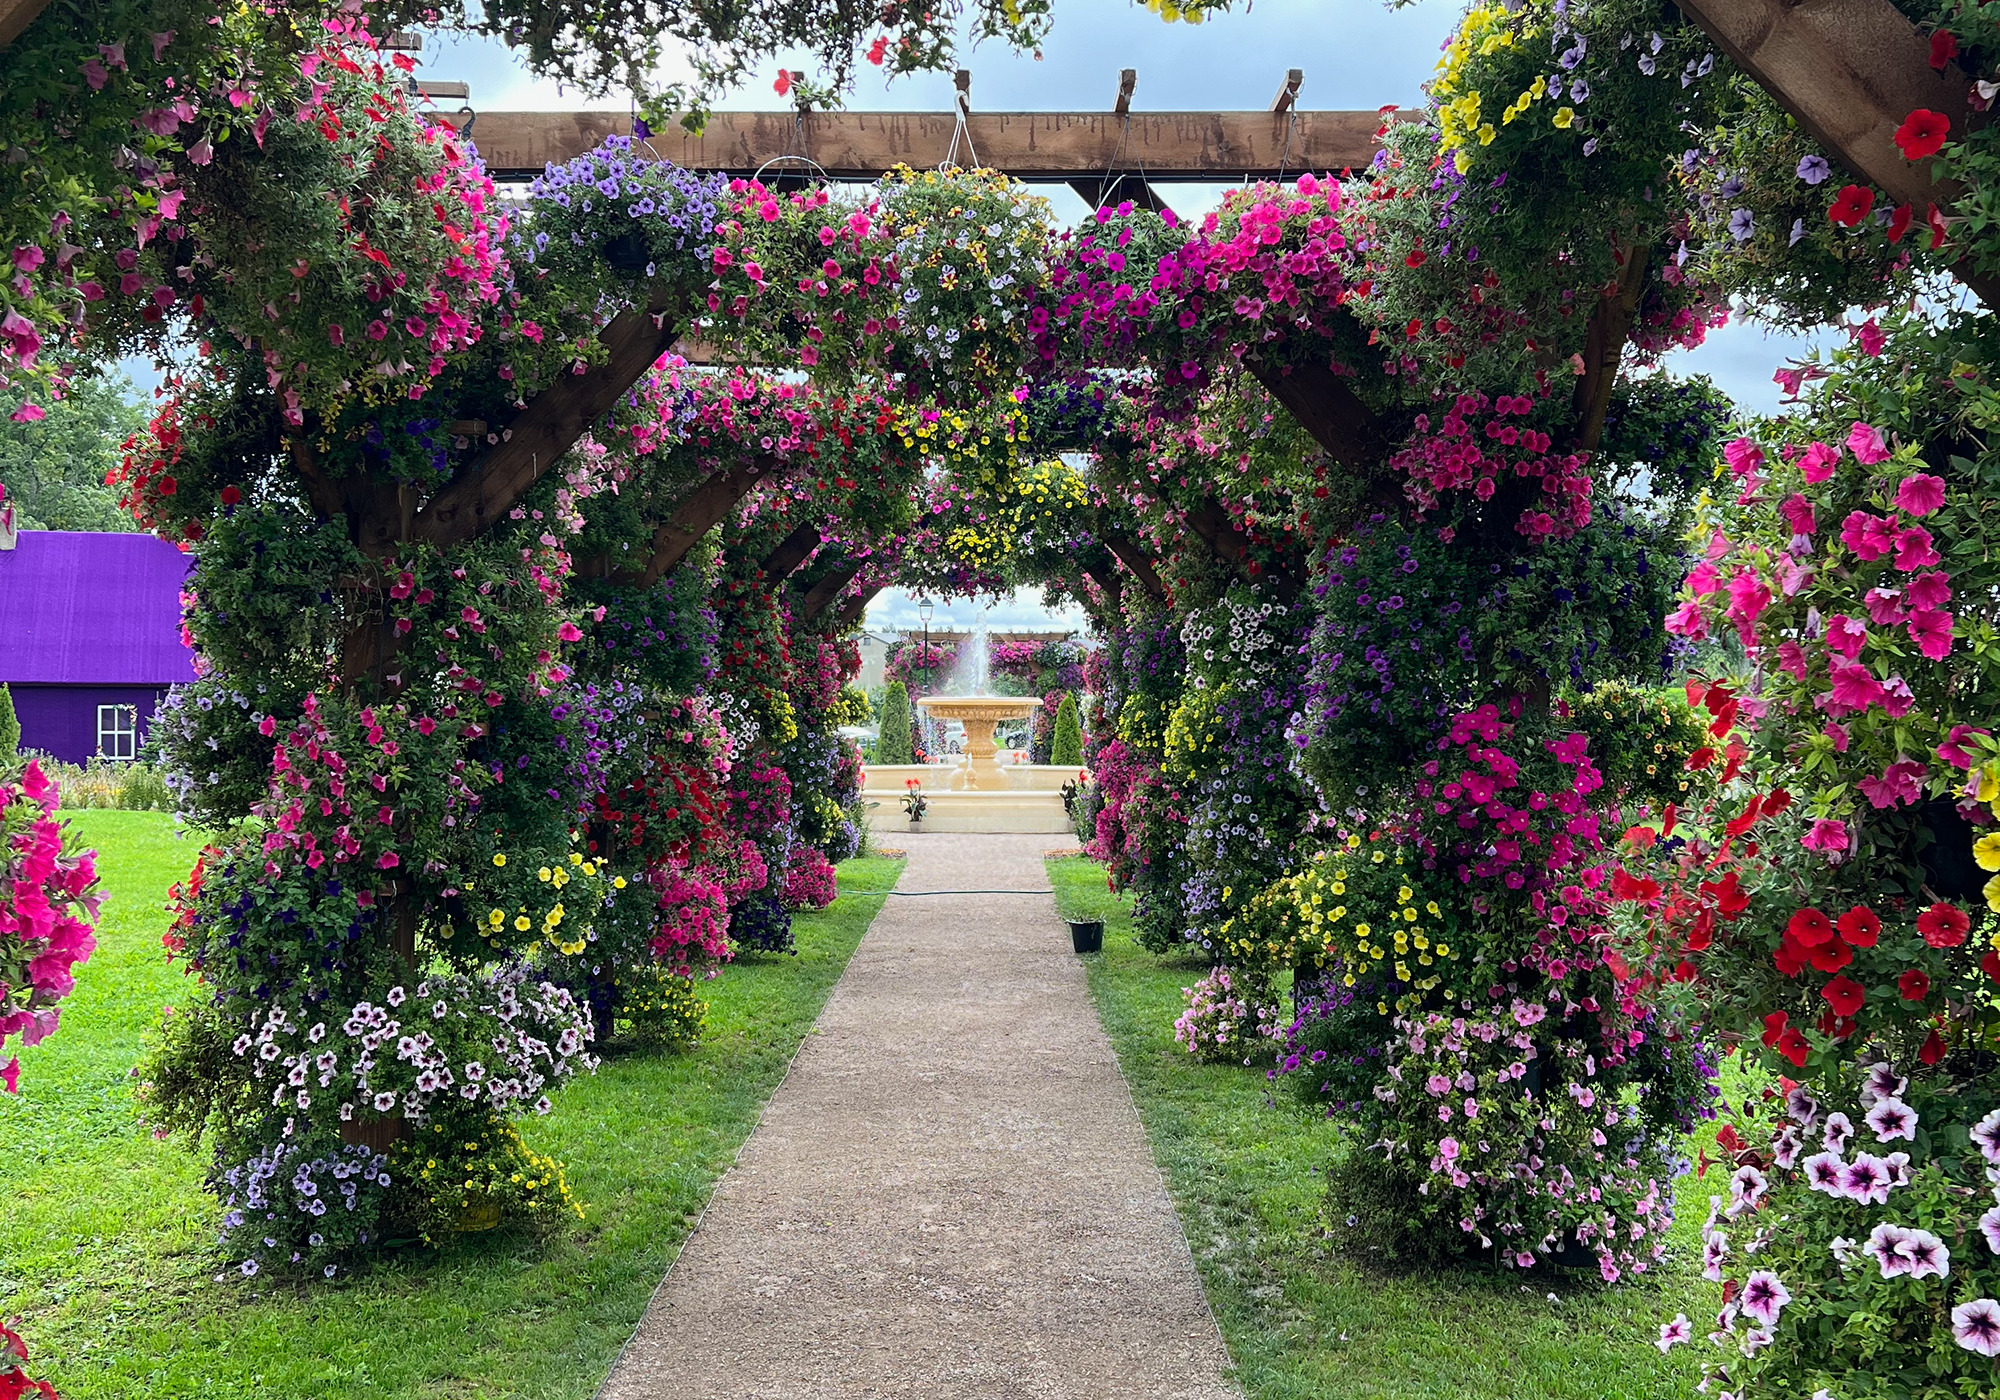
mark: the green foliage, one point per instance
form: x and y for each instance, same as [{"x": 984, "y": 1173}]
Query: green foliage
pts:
[
  {"x": 893, "y": 745},
  {"x": 1067, "y": 747},
  {"x": 10, "y": 726},
  {"x": 1641, "y": 740},
  {"x": 54, "y": 468}
]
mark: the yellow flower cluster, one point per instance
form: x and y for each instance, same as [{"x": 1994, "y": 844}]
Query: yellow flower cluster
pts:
[
  {"x": 1461, "y": 124},
  {"x": 1195, "y": 729},
  {"x": 664, "y": 1009},
  {"x": 475, "y": 1178},
  {"x": 1401, "y": 935},
  {"x": 564, "y": 934}
]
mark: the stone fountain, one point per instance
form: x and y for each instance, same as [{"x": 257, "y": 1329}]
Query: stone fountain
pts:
[
  {"x": 977, "y": 794},
  {"x": 979, "y": 714}
]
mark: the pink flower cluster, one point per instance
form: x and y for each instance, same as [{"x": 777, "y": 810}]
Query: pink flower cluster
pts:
[
  {"x": 1474, "y": 447},
  {"x": 694, "y": 916},
  {"x": 47, "y": 918},
  {"x": 810, "y": 882}
]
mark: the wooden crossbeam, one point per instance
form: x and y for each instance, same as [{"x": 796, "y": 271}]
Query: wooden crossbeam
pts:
[
  {"x": 1849, "y": 72},
  {"x": 1049, "y": 147},
  {"x": 17, "y": 15}
]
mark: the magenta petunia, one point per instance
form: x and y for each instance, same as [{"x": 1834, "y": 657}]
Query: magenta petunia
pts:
[
  {"x": 1866, "y": 445},
  {"x": 1920, "y": 494}
]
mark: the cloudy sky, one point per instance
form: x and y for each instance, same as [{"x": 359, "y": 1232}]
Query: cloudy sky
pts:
[{"x": 1357, "y": 54}]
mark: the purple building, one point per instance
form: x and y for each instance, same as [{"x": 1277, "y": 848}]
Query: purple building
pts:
[{"x": 92, "y": 638}]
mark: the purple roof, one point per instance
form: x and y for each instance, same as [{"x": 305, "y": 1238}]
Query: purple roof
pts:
[{"x": 92, "y": 609}]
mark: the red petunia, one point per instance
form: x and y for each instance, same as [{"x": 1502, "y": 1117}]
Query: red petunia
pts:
[
  {"x": 1793, "y": 1047},
  {"x": 1944, "y": 48},
  {"x": 1943, "y": 925},
  {"x": 1860, "y": 927},
  {"x": 1774, "y": 1026},
  {"x": 1922, "y": 134},
  {"x": 1853, "y": 204},
  {"x": 1940, "y": 233},
  {"x": 1810, "y": 928},
  {"x": 1790, "y": 957},
  {"x": 1844, "y": 995},
  {"x": 1990, "y": 965},
  {"x": 1830, "y": 956},
  {"x": 1641, "y": 891},
  {"x": 1933, "y": 1049},
  {"x": 1914, "y": 984},
  {"x": 1899, "y": 223}
]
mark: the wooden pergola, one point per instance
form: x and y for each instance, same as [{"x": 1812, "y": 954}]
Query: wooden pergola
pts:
[{"x": 1117, "y": 153}]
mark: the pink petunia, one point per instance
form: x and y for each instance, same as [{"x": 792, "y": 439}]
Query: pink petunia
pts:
[
  {"x": 1792, "y": 660},
  {"x": 1687, "y": 621},
  {"x": 1828, "y": 835},
  {"x": 1845, "y": 635},
  {"x": 1798, "y": 513},
  {"x": 1743, "y": 456},
  {"x": 1932, "y": 590},
  {"x": 1895, "y": 786},
  {"x": 1836, "y": 735},
  {"x": 1869, "y": 536},
  {"x": 1953, "y": 750},
  {"x": 1855, "y": 688},
  {"x": 1914, "y": 550},
  {"x": 1748, "y": 597},
  {"x": 1866, "y": 445},
  {"x": 1920, "y": 494},
  {"x": 1818, "y": 462},
  {"x": 1931, "y": 630},
  {"x": 1885, "y": 606}
]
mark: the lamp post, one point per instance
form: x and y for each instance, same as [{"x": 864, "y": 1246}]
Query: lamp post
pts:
[{"x": 924, "y": 615}]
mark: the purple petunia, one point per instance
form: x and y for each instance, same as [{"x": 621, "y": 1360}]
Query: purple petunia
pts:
[{"x": 1814, "y": 169}]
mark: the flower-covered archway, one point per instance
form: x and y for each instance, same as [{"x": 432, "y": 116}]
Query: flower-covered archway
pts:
[{"x": 1516, "y": 723}]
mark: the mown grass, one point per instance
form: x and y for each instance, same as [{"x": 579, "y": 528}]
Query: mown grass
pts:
[
  {"x": 107, "y": 1242},
  {"x": 1246, "y": 1170}
]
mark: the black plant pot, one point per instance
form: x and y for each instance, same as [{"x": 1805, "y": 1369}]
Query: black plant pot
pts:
[{"x": 1087, "y": 935}]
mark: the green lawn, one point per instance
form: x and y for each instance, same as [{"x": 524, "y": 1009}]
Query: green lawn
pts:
[
  {"x": 1301, "y": 1321},
  {"x": 107, "y": 1240}
]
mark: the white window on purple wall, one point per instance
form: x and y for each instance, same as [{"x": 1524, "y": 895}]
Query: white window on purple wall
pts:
[{"x": 118, "y": 732}]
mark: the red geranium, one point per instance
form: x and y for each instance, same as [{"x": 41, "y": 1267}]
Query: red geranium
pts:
[
  {"x": 1922, "y": 133},
  {"x": 1943, "y": 925},
  {"x": 1844, "y": 995},
  {"x": 1853, "y": 204}
]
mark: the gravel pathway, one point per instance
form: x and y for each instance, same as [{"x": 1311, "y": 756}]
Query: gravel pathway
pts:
[{"x": 950, "y": 1195}]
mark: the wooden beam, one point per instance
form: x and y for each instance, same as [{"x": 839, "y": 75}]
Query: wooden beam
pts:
[
  {"x": 1129, "y": 553},
  {"x": 1288, "y": 91},
  {"x": 855, "y": 608},
  {"x": 16, "y": 16},
  {"x": 695, "y": 514},
  {"x": 487, "y": 487},
  {"x": 1051, "y": 147},
  {"x": 823, "y": 594},
  {"x": 792, "y": 551},
  {"x": 1604, "y": 347},
  {"x": 1326, "y": 408},
  {"x": 1849, "y": 72}
]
